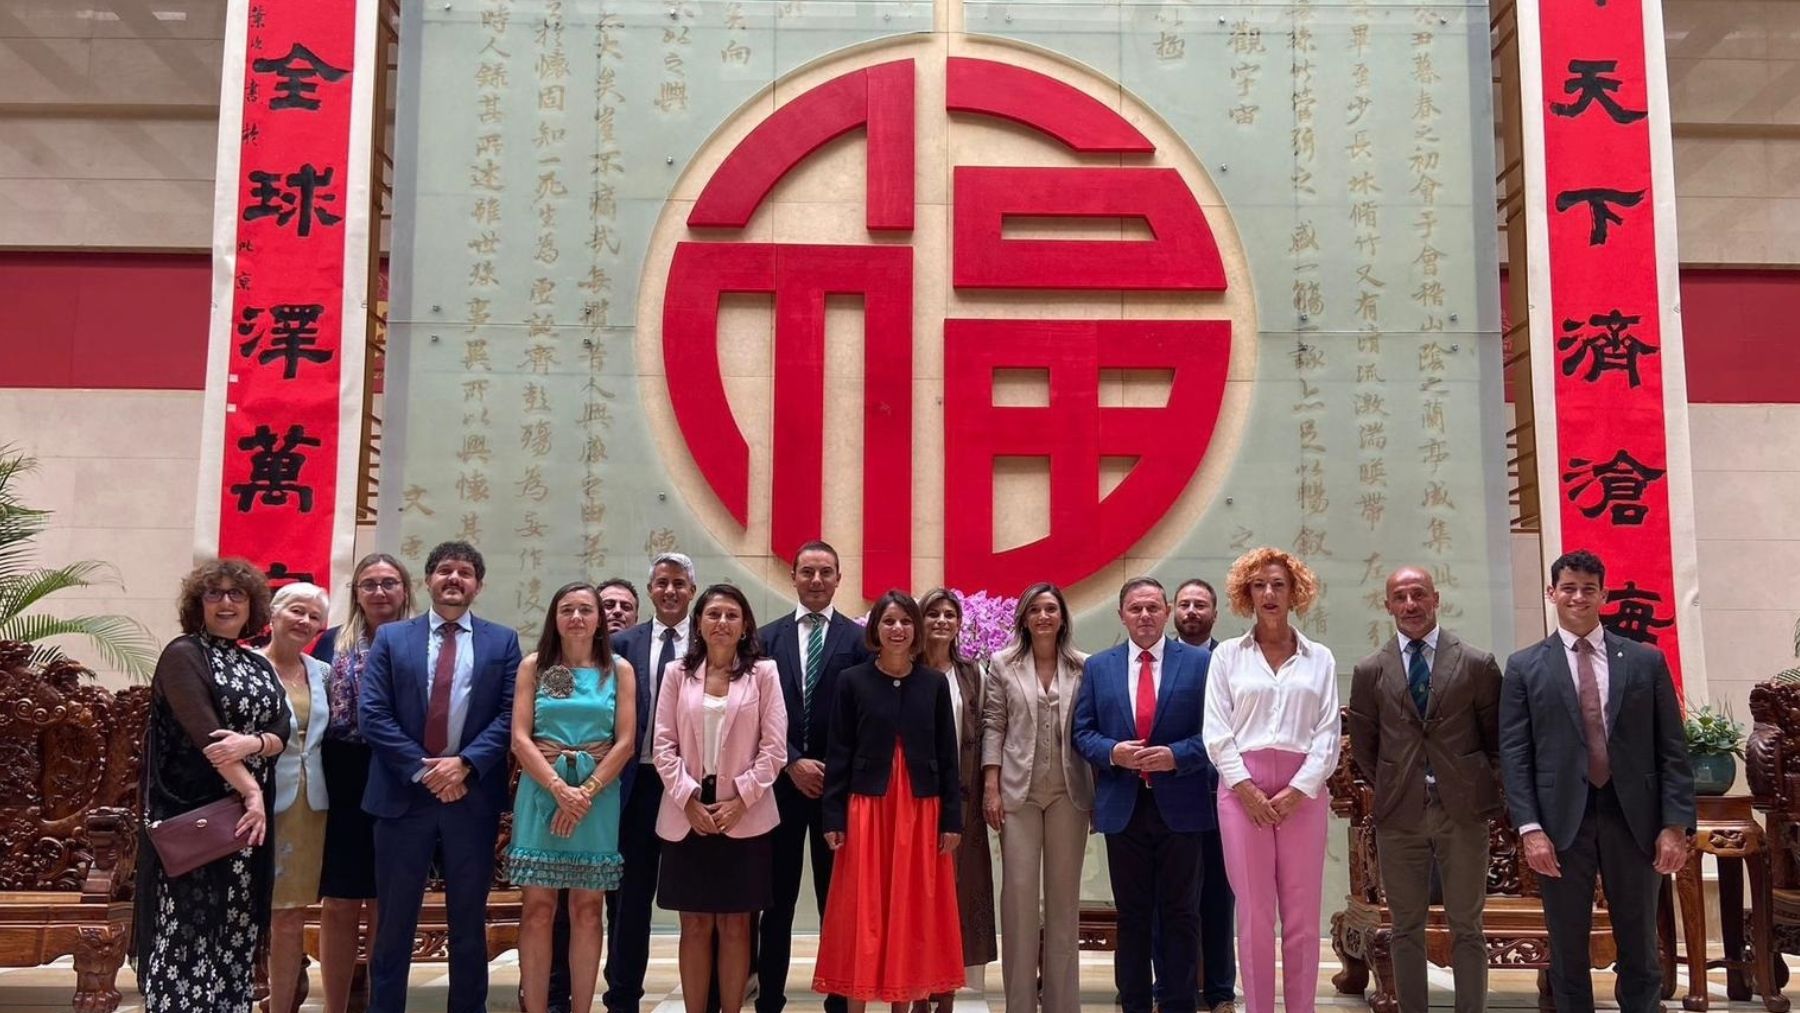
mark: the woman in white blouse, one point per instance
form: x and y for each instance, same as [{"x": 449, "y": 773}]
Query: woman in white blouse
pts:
[{"x": 1272, "y": 732}]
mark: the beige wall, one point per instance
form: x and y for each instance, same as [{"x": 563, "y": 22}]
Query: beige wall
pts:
[
  {"x": 109, "y": 115},
  {"x": 1734, "y": 88},
  {"x": 109, "y": 111}
]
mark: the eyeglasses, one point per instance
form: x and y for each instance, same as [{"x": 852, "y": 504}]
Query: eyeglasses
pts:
[
  {"x": 372, "y": 586},
  {"x": 235, "y": 595}
]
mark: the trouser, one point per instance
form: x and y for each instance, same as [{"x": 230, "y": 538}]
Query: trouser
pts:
[
  {"x": 464, "y": 833},
  {"x": 1604, "y": 845},
  {"x": 801, "y": 827},
  {"x": 1276, "y": 872},
  {"x": 1218, "y": 923},
  {"x": 1041, "y": 849},
  {"x": 1155, "y": 869},
  {"x": 1460, "y": 850},
  {"x": 628, "y": 907}
]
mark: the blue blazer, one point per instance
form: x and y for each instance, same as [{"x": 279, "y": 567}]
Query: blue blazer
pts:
[
  {"x": 1103, "y": 718},
  {"x": 633, "y": 644},
  {"x": 391, "y": 716}
]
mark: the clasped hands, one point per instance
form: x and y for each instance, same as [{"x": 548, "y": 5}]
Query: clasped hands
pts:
[
  {"x": 572, "y": 801},
  {"x": 1133, "y": 754},
  {"x": 1266, "y": 812},
  {"x": 716, "y": 818}
]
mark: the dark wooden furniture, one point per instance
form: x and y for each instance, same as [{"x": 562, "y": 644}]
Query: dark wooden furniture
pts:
[
  {"x": 69, "y": 764},
  {"x": 1772, "y": 768},
  {"x": 1727, "y": 830},
  {"x": 1513, "y": 921}
]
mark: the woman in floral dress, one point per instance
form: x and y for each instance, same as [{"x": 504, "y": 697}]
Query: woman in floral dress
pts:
[{"x": 218, "y": 720}]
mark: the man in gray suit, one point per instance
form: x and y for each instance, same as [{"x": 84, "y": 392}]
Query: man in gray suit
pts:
[
  {"x": 1425, "y": 730},
  {"x": 1597, "y": 777}
]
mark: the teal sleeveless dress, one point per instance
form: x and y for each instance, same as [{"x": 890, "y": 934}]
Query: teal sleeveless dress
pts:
[{"x": 588, "y": 859}]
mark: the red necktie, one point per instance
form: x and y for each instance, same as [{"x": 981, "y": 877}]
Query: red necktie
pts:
[
  {"x": 1146, "y": 701},
  {"x": 437, "y": 711}
]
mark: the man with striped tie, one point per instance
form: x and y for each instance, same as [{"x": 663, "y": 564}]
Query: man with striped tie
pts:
[{"x": 810, "y": 645}]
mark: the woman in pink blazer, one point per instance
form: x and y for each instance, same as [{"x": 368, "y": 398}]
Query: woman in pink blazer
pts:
[{"x": 721, "y": 740}]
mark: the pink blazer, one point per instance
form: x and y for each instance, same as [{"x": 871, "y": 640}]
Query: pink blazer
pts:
[{"x": 752, "y": 747}]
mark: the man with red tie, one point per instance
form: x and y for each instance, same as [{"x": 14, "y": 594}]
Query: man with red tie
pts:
[
  {"x": 436, "y": 709},
  {"x": 1138, "y": 718}
]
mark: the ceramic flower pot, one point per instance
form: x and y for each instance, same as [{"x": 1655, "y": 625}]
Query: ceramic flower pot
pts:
[{"x": 1714, "y": 774}]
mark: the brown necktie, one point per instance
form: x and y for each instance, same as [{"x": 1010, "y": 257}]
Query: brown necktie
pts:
[
  {"x": 437, "y": 709},
  {"x": 1593, "y": 715}
]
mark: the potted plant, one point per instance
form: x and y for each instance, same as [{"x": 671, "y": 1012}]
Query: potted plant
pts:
[{"x": 1715, "y": 743}]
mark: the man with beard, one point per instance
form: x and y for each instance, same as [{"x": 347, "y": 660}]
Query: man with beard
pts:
[
  {"x": 1196, "y": 609},
  {"x": 436, "y": 710}
]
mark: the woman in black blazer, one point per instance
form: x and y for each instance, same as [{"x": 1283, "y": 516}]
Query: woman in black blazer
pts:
[{"x": 893, "y": 813}]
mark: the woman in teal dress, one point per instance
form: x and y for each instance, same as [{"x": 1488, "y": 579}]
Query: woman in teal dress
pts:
[{"x": 573, "y": 717}]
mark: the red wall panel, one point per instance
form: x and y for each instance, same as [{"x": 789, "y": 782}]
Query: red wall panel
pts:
[
  {"x": 104, "y": 320},
  {"x": 138, "y": 321}
]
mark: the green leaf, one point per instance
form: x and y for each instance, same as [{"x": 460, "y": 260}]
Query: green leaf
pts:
[
  {"x": 124, "y": 642},
  {"x": 21, "y": 591}
]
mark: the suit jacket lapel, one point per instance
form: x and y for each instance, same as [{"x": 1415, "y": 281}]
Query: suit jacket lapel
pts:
[
  {"x": 795, "y": 663},
  {"x": 1025, "y": 673},
  {"x": 1175, "y": 661},
  {"x": 1444, "y": 668},
  {"x": 420, "y": 638},
  {"x": 1562, "y": 681},
  {"x": 1397, "y": 682},
  {"x": 1617, "y": 671}
]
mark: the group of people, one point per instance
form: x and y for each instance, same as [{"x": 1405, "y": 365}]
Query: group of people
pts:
[{"x": 693, "y": 759}]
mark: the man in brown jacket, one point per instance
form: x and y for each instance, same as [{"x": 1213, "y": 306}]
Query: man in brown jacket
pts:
[{"x": 1424, "y": 729}]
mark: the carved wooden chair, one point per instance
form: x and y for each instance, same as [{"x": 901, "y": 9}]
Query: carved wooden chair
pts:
[
  {"x": 1513, "y": 920},
  {"x": 70, "y": 755},
  {"x": 1772, "y": 768}
]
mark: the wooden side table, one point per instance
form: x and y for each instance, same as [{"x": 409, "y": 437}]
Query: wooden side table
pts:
[{"x": 1727, "y": 830}]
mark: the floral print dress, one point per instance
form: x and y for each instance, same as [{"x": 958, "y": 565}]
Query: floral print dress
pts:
[{"x": 198, "y": 935}]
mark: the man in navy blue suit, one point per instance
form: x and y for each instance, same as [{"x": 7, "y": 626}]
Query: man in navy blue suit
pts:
[
  {"x": 1138, "y": 720},
  {"x": 436, "y": 709},
  {"x": 810, "y": 645},
  {"x": 649, "y": 647}
]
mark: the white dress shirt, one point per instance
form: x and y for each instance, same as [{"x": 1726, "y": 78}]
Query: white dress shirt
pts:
[
  {"x": 1430, "y": 639},
  {"x": 1250, "y": 707},
  {"x": 1133, "y": 662},
  {"x": 800, "y": 615},
  {"x": 1602, "y": 673}
]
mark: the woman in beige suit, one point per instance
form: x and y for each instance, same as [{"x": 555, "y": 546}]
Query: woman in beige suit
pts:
[{"x": 1037, "y": 794}]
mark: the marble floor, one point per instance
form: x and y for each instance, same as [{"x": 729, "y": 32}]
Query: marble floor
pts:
[{"x": 47, "y": 988}]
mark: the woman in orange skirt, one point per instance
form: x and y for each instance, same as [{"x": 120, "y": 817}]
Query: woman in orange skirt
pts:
[{"x": 893, "y": 814}]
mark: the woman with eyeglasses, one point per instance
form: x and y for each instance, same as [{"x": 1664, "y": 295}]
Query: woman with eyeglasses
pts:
[
  {"x": 381, "y": 593},
  {"x": 218, "y": 719}
]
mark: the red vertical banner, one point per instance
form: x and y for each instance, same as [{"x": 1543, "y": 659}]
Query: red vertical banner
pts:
[
  {"x": 286, "y": 346},
  {"x": 1606, "y": 343}
]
